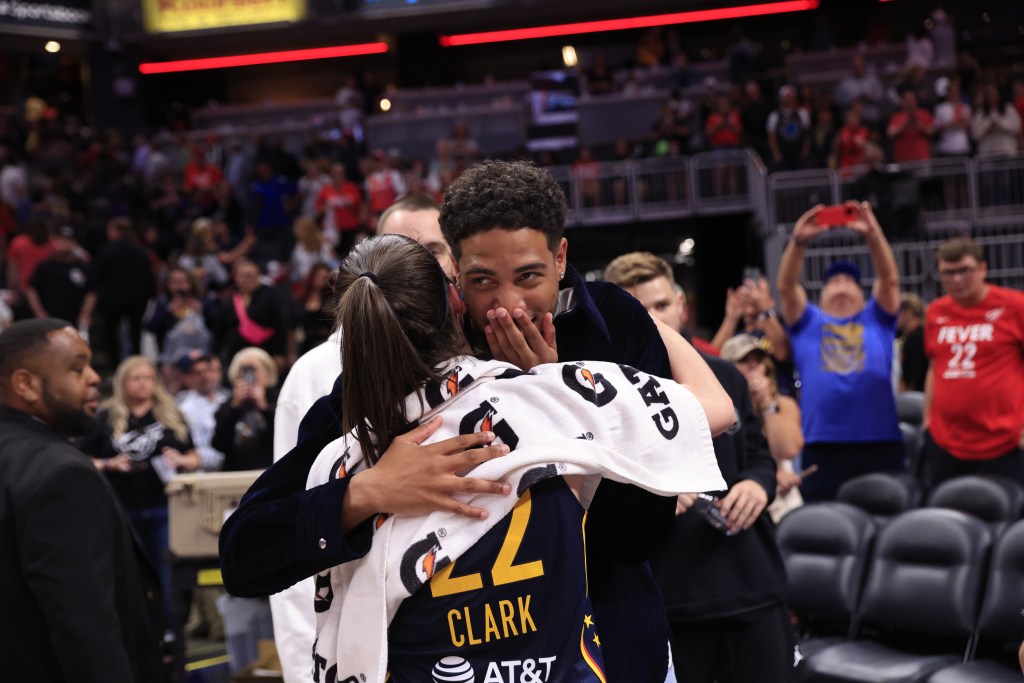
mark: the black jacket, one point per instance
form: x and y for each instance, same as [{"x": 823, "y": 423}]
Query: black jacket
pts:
[
  {"x": 703, "y": 573},
  {"x": 273, "y": 539},
  {"x": 245, "y": 434},
  {"x": 124, "y": 277},
  {"x": 266, "y": 309},
  {"x": 78, "y": 600}
]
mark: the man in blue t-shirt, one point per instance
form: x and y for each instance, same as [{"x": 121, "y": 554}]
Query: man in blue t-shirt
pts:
[
  {"x": 273, "y": 199},
  {"x": 843, "y": 351}
]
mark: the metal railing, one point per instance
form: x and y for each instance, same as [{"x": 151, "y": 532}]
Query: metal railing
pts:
[
  {"x": 945, "y": 193},
  {"x": 665, "y": 188},
  {"x": 1003, "y": 246},
  {"x": 982, "y": 197},
  {"x": 727, "y": 181}
]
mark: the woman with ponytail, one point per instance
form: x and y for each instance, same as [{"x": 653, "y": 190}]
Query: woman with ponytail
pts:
[{"x": 442, "y": 596}]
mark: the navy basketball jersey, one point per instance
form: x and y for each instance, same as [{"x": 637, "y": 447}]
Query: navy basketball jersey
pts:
[{"x": 513, "y": 608}]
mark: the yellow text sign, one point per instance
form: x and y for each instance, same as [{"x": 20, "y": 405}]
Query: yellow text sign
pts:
[{"x": 166, "y": 16}]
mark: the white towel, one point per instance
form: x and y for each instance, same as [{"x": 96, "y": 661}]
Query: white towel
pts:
[{"x": 592, "y": 419}]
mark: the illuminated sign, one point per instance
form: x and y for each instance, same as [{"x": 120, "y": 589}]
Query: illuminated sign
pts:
[
  {"x": 410, "y": 6},
  {"x": 257, "y": 58},
  {"x": 695, "y": 16},
  {"x": 166, "y": 16},
  {"x": 69, "y": 13}
]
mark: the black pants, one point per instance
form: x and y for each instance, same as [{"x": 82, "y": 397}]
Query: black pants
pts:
[
  {"x": 272, "y": 244},
  {"x": 840, "y": 462},
  {"x": 940, "y": 464},
  {"x": 111, "y": 322},
  {"x": 745, "y": 648}
]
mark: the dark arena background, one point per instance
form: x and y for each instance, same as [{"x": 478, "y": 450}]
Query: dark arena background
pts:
[{"x": 698, "y": 130}]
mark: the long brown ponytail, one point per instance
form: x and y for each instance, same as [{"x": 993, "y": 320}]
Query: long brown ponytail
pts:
[{"x": 396, "y": 329}]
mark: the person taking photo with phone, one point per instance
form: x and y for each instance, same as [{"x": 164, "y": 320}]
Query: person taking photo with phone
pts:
[
  {"x": 245, "y": 423},
  {"x": 843, "y": 352},
  {"x": 750, "y": 309}
]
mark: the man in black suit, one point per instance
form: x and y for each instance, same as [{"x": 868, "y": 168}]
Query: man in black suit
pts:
[{"x": 78, "y": 601}]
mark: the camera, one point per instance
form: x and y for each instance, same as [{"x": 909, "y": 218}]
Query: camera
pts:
[
  {"x": 836, "y": 216},
  {"x": 249, "y": 374}
]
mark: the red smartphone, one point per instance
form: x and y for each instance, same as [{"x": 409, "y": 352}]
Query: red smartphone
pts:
[{"x": 836, "y": 215}]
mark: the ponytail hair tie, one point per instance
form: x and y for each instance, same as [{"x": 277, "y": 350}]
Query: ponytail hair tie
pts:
[{"x": 372, "y": 277}]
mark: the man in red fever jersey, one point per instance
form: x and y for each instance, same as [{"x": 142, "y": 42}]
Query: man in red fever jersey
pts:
[{"x": 974, "y": 390}]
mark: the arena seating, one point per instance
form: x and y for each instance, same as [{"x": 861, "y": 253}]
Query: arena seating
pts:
[
  {"x": 826, "y": 548},
  {"x": 1001, "y": 626},
  {"x": 881, "y": 495},
  {"x": 910, "y": 407},
  {"x": 993, "y": 499},
  {"x": 919, "y": 604},
  {"x": 919, "y": 607},
  {"x": 913, "y": 440}
]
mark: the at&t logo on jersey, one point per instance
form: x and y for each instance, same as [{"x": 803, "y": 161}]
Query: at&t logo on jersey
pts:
[
  {"x": 453, "y": 670},
  {"x": 458, "y": 670}
]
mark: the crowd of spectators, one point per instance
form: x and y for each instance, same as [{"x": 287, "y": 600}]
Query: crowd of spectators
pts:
[
  {"x": 178, "y": 259},
  {"x": 936, "y": 103},
  {"x": 813, "y": 126}
]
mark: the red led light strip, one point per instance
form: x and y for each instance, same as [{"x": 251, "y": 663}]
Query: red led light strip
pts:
[
  {"x": 262, "y": 58},
  {"x": 634, "y": 22}
]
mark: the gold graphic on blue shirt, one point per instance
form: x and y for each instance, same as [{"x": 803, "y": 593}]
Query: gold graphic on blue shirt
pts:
[
  {"x": 842, "y": 348},
  {"x": 592, "y": 657}
]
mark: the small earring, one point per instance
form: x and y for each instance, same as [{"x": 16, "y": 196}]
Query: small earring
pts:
[{"x": 561, "y": 275}]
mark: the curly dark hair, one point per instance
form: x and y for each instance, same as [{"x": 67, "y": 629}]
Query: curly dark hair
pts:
[{"x": 503, "y": 194}]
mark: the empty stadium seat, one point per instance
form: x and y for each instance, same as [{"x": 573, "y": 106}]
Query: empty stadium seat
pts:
[
  {"x": 825, "y": 547},
  {"x": 923, "y": 592},
  {"x": 977, "y": 672},
  {"x": 996, "y": 500},
  {"x": 913, "y": 442},
  {"x": 881, "y": 494},
  {"x": 1001, "y": 626},
  {"x": 910, "y": 407}
]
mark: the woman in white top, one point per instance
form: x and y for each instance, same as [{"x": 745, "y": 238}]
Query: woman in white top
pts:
[
  {"x": 311, "y": 248},
  {"x": 952, "y": 121},
  {"x": 996, "y": 124}
]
